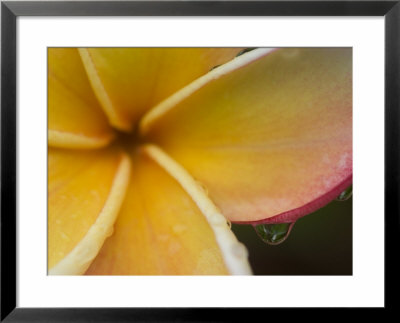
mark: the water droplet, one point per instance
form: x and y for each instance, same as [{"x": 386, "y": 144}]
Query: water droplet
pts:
[
  {"x": 274, "y": 233},
  {"x": 346, "y": 194},
  {"x": 239, "y": 250},
  {"x": 203, "y": 187},
  {"x": 179, "y": 228},
  {"x": 163, "y": 237},
  {"x": 217, "y": 219},
  {"x": 229, "y": 223},
  {"x": 65, "y": 236},
  {"x": 110, "y": 232},
  {"x": 212, "y": 68},
  {"x": 243, "y": 51}
]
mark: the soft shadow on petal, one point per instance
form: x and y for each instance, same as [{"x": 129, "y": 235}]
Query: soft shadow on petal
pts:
[
  {"x": 269, "y": 133},
  {"x": 76, "y": 119},
  {"x": 159, "y": 231},
  {"x": 85, "y": 193},
  {"x": 128, "y": 81}
]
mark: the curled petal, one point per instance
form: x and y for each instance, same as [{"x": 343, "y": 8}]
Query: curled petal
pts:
[
  {"x": 128, "y": 81},
  {"x": 76, "y": 119},
  {"x": 85, "y": 192},
  {"x": 161, "y": 230},
  {"x": 269, "y": 133}
]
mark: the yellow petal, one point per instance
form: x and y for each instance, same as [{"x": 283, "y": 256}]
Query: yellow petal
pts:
[
  {"x": 85, "y": 192},
  {"x": 162, "y": 231},
  {"x": 128, "y": 81},
  {"x": 269, "y": 133},
  {"x": 76, "y": 119}
]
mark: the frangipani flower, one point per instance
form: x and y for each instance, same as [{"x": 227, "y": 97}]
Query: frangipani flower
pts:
[{"x": 152, "y": 151}]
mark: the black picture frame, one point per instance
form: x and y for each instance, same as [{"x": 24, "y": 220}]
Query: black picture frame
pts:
[{"x": 11, "y": 10}]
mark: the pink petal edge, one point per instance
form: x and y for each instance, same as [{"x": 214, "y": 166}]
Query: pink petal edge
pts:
[{"x": 295, "y": 214}]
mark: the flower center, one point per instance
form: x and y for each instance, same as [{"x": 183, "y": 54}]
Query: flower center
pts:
[{"x": 129, "y": 141}]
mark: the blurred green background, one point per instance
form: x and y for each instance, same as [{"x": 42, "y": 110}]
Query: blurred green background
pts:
[{"x": 319, "y": 244}]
